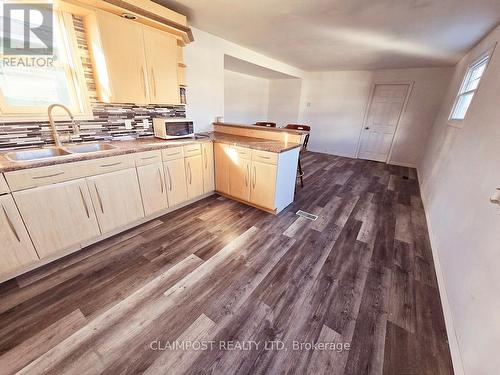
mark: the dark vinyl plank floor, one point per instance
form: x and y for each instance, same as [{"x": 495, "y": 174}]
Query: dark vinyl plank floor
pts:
[{"x": 219, "y": 273}]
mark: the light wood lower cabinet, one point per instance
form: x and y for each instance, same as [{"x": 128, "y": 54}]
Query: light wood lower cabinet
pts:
[
  {"x": 262, "y": 178},
  {"x": 117, "y": 199},
  {"x": 222, "y": 164},
  {"x": 175, "y": 176},
  {"x": 153, "y": 188},
  {"x": 58, "y": 216},
  {"x": 263, "y": 184},
  {"x": 16, "y": 249},
  {"x": 239, "y": 179},
  {"x": 194, "y": 176},
  {"x": 207, "y": 149}
]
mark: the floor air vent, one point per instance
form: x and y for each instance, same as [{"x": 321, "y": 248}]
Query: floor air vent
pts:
[{"x": 307, "y": 215}]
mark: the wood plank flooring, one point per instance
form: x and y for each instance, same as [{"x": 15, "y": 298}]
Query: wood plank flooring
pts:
[{"x": 220, "y": 273}]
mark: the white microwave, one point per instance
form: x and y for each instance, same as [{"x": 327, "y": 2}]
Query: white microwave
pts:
[{"x": 171, "y": 128}]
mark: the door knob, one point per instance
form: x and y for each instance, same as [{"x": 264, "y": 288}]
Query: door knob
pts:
[
  {"x": 495, "y": 198},
  {"x": 367, "y": 128}
]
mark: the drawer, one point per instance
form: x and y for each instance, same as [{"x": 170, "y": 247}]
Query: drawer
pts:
[
  {"x": 4, "y": 188},
  {"x": 172, "y": 153},
  {"x": 243, "y": 152},
  {"x": 148, "y": 157},
  {"x": 106, "y": 165},
  {"x": 192, "y": 150},
  {"x": 34, "y": 177},
  {"x": 265, "y": 156}
]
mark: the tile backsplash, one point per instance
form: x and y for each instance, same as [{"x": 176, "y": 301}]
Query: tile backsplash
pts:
[{"x": 109, "y": 121}]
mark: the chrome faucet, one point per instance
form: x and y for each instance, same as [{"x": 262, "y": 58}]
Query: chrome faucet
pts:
[{"x": 55, "y": 135}]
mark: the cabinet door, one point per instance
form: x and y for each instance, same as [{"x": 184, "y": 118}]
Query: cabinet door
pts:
[
  {"x": 175, "y": 176},
  {"x": 117, "y": 199},
  {"x": 58, "y": 216},
  {"x": 239, "y": 179},
  {"x": 222, "y": 163},
  {"x": 153, "y": 189},
  {"x": 16, "y": 249},
  {"x": 120, "y": 66},
  {"x": 194, "y": 176},
  {"x": 161, "y": 58},
  {"x": 263, "y": 184},
  {"x": 208, "y": 167}
]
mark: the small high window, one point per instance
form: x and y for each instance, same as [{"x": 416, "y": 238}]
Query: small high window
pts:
[{"x": 469, "y": 87}]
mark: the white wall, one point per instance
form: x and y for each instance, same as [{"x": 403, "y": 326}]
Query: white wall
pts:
[
  {"x": 458, "y": 174},
  {"x": 205, "y": 75},
  {"x": 284, "y": 101},
  {"x": 246, "y": 98},
  {"x": 334, "y": 104}
]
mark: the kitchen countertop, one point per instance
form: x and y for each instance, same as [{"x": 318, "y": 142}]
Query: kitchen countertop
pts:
[
  {"x": 130, "y": 146},
  {"x": 265, "y": 128}
]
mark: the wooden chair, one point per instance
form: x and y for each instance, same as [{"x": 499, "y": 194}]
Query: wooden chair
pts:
[
  {"x": 300, "y": 173},
  {"x": 266, "y": 124}
]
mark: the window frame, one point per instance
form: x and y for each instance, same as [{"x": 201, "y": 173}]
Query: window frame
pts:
[
  {"x": 75, "y": 77},
  {"x": 487, "y": 55}
]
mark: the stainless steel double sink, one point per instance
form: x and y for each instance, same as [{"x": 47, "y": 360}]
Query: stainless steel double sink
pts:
[{"x": 54, "y": 152}]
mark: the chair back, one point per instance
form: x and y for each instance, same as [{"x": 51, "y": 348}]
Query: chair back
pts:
[
  {"x": 306, "y": 128},
  {"x": 266, "y": 124}
]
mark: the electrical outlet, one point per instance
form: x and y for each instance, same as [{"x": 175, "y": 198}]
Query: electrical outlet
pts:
[
  {"x": 128, "y": 124},
  {"x": 145, "y": 123}
]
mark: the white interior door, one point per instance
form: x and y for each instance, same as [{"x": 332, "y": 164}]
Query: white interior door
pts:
[{"x": 382, "y": 120}]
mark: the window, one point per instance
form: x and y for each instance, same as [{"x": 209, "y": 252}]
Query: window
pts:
[
  {"x": 29, "y": 84},
  {"x": 469, "y": 87}
]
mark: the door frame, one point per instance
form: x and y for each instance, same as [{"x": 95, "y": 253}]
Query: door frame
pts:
[{"x": 367, "y": 110}]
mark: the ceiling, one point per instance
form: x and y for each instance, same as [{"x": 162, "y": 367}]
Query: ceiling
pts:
[{"x": 348, "y": 34}]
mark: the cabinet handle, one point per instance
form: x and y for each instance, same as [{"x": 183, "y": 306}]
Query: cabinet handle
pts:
[
  {"x": 99, "y": 197},
  {"x": 149, "y": 157},
  {"x": 11, "y": 225},
  {"x": 110, "y": 165},
  {"x": 161, "y": 180},
  {"x": 47, "y": 176},
  {"x": 247, "y": 175},
  {"x": 206, "y": 157},
  {"x": 175, "y": 153},
  {"x": 144, "y": 81},
  {"x": 254, "y": 176},
  {"x": 264, "y": 157},
  {"x": 84, "y": 203},
  {"x": 169, "y": 179},
  {"x": 154, "y": 81},
  {"x": 190, "y": 175}
]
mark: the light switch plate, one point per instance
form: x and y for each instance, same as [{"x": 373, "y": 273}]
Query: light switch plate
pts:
[{"x": 128, "y": 124}]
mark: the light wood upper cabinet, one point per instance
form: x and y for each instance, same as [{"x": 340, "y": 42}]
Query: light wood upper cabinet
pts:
[
  {"x": 207, "y": 149},
  {"x": 161, "y": 60},
  {"x": 194, "y": 176},
  {"x": 175, "y": 177},
  {"x": 239, "y": 178},
  {"x": 119, "y": 60},
  {"x": 16, "y": 249},
  {"x": 222, "y": 162},
  {"x": 153, "y": 189},
  {"x": 117, "y": 199},
  {"x": 263, "y": 184},
  {"x": 133, "y": 63},
  {"x": 58, "y": 216}
]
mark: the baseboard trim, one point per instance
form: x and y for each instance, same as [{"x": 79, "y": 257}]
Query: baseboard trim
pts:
[
  {"x": 402, "y": 164},
  {"x": 456, "y": 356}
]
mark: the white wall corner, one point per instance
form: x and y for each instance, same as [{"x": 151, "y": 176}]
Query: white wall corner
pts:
[{"x": 456, "y": 355}]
